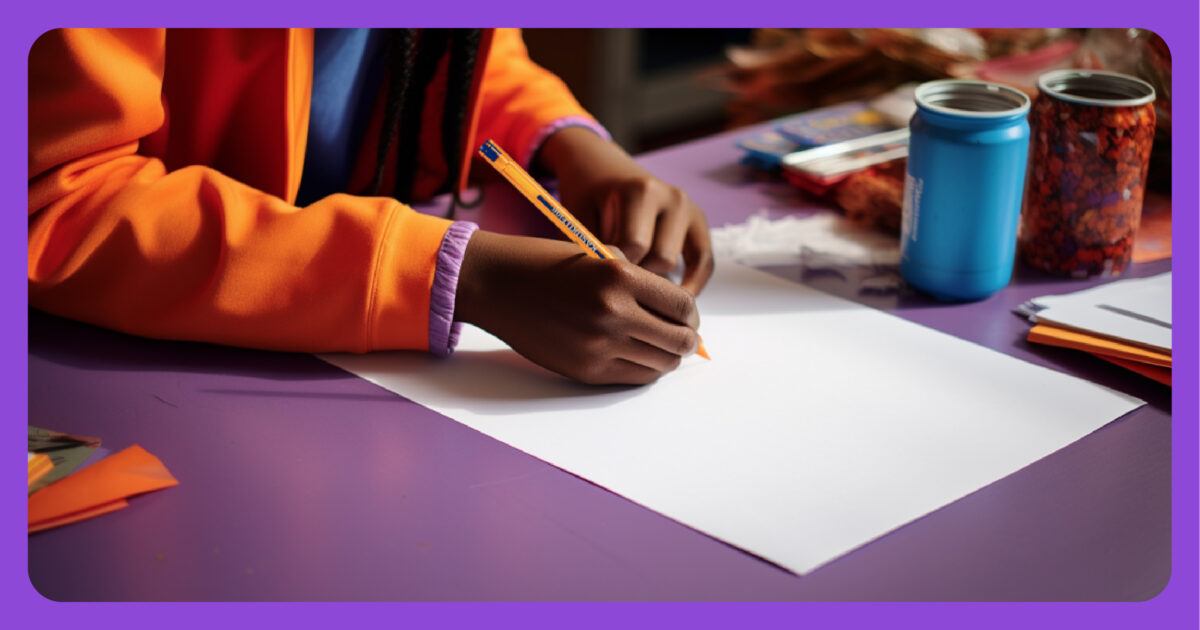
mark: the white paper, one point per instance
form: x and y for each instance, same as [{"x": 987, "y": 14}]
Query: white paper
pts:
[
  {"x": 818, "y": 426},
  {"x": 1150, "y": 296},
  {"x": 1136, "y": 311}
]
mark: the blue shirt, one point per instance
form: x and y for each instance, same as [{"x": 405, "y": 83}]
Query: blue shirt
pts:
[{"x": 347, "y": 72}]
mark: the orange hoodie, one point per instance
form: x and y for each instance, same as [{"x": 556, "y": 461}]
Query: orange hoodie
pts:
[{"x": 163, "y": 170}]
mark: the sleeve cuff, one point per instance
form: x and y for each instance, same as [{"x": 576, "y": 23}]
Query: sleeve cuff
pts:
[
  {"x": 547, "y": 130},
  {"x": 443, "y": 330}
]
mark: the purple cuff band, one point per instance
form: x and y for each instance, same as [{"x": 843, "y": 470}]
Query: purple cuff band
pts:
[
  {"x": 546, "y": 131},
  {"x": 443, "y": 330}
]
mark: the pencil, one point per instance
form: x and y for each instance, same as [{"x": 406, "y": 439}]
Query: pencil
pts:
[{"x": 550, "y": 207}]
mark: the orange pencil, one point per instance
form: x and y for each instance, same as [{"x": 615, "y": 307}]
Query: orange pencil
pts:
[{"x": 549, "y": 206}]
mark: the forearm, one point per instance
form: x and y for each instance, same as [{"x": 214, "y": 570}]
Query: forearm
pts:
[{"x": 570, "y": 152}]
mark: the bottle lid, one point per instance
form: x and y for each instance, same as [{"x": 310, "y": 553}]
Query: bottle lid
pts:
[
  {"x": 971, "y": 99},
  {"x": 1096, "y": 87}
]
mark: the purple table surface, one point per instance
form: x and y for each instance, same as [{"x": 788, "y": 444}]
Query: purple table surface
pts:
[{"x": 302, "y": 482}]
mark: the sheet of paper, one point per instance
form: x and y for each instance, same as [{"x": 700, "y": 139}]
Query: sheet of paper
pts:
[
  {"x": 1101, "y": 293},
  {"x": 1149, "y": 298},
  {"x": 818, "y": 426},
  {"x": 1109, "y": 324}
]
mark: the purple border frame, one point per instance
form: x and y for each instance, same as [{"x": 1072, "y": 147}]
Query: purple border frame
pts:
[{"x": 1175, "y": 20}]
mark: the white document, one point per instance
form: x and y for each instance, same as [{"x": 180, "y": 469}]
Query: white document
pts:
[
  {"x": 1137, "y": 311},
  {"x": 818, "y": 426},
  {"x": 1149, "y": 297}
]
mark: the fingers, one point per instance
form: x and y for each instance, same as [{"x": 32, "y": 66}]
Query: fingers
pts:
[
  {"x": 655, "y": 224},
  {"x": 637, "y": 206},
  {"x": 672, "y": 229},
  {"x": 624, "y": 372},
  {"x": 634, "y": 363},
  {"x": 639, "y": 364},
  {"x": 667, "y": 300},
  {"x": 608, "y": 220},
  {"x": 667, "y": 338},
  {"x": 643, "y": 342},
  {"x": 651, "y": 356}
]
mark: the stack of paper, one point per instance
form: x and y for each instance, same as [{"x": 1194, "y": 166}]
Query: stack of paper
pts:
[
  {"x": 1127, "y": 322},
  {"x": 68, "y": 488},
  {"x": 64, "y": 453}
]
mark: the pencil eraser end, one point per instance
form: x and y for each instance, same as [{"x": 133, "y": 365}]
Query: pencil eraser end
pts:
[{"x": 489, "y": 151}]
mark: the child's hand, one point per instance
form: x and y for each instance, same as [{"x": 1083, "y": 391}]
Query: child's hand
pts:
[
  {"x": 595, "y": 321},
  {"x": 652, "y": 222}
]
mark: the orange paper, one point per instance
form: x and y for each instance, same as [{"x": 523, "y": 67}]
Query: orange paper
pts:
[
  {"x": 1160, "y": 374},
  {"x": 1054, "y": 336},
  {"x": 98, "y": 489},
  {"x": 78, "y": 516}
]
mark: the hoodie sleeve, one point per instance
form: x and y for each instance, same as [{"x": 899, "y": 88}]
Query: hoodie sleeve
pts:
[{"x": 117, "y": 240}]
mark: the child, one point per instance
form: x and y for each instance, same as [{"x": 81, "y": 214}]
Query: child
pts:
[{"x": 189, "y": 184}]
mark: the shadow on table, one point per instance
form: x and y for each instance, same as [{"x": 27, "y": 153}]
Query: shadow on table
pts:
[
  {"x": 488, "y": 382},
  {"x": 80, "y": 345},
  {"x": 1097, "y": 370}
]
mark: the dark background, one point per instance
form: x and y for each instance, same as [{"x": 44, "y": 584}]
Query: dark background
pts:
[{"x": 648, "y": 87}]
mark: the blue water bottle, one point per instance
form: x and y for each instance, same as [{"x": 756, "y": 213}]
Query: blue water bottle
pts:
[{"x": 963, "y": 188}]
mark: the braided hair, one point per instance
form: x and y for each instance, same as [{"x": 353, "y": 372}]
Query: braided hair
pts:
[{"x": 413, "y": 56}]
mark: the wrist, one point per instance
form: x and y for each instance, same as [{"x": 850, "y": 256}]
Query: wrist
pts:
[
  {"x": 498, "y": 273},
  {"x": 470, "y": 298}
]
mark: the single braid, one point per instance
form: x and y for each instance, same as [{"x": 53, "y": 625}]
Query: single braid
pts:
[
  {"x": 430, "y": 49},
  {"x": 464, "y": 51},
  {"x": 401, "y": 43}
]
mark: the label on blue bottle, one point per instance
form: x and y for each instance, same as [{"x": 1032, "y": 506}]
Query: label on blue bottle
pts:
[{"x": 910, "y": 208}]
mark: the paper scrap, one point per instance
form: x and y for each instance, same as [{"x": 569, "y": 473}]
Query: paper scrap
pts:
[
  {"x": 820, "y": 240},
  {"x": 98, "y": 489}
]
